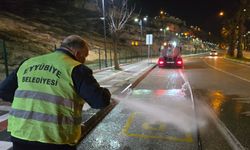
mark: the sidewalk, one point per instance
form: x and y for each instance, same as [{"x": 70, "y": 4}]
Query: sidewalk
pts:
[{"x": 245, "y": 54}]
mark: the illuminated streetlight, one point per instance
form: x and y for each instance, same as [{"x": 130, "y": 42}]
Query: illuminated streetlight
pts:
[
  {"x": 140, "y": 22},
  {"x": 162, "y": 12},
  {"x": 136, "y": 19},
  {"x": 221, "y": 13},
  {"x": 164, "y": 31}
]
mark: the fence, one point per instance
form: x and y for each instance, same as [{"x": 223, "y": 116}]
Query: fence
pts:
[
  {"x": 123, "y": 58},
  {"x": 4, "y": 56}
]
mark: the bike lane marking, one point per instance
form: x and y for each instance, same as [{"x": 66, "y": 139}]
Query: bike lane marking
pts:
[{"x": 145, "y": 126}]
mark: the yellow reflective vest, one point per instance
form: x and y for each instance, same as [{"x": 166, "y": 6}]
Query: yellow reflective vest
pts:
[{"x": 46, "y": 107}]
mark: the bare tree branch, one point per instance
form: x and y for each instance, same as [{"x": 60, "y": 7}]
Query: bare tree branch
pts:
[{"x": 118, "y": 16}]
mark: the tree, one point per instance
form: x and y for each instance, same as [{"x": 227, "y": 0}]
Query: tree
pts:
[
  {"x": 241, "y": 19},
  {"x": 234, "y": 29},
  {"x": 230, "y": 35},
  {"x": 118, "y": 15}
]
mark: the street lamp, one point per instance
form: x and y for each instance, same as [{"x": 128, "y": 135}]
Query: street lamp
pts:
[
  {"x": 104, "y": 30},
  {"x": 164, "y": 32},
  {"x": 221, "y": 13},
  {"x": 140, "y": 22}
]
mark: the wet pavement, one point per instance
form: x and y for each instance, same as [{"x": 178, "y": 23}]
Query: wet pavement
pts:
[
  {"x": 156, "y": 114},
  {"x": 224, "y": 86}
]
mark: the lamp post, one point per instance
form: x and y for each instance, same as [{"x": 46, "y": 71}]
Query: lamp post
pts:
[
  {"x": 164, "y": 32},
  {"x": 140, "y": 22},
  {"x": 104, "y": 30}
]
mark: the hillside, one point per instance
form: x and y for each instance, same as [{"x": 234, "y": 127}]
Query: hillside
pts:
[{"x": 33, "y": 27}]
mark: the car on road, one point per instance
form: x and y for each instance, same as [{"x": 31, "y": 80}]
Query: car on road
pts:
[
  {"x": 213, "y": 53},
  {"x": 170, "y": 62}
]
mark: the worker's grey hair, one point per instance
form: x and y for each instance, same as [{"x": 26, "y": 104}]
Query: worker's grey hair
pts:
[{"x": 75, "y": 42}]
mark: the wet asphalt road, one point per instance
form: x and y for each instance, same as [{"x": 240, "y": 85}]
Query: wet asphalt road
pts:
[
  {"x": 159, "y": 114},
  {"x": 225, "y": 87}
]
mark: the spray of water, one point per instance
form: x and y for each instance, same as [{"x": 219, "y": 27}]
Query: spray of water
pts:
[{"x": 175, "y": 110}]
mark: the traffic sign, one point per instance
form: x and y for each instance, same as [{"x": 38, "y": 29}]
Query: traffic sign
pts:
[{"x": 149, "y": 39}]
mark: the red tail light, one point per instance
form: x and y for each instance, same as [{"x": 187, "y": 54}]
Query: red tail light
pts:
[
  {"x": 161, "y": 62},
  {"x": 179, "y": 62}
]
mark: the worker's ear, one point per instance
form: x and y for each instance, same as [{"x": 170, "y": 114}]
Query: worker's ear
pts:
[
  {"x": 77, "y": 53},
  {"x": 80, "y": 56}
]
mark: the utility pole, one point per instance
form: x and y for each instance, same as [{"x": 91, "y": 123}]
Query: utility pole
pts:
[
  {"x": 140, "y": 23},
  {"x": 104, "y": 30}
]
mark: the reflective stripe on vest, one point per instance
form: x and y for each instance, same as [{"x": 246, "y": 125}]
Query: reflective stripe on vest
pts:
[
  {"x": 44, "y": 97},
  {"x": 42, "y": 111},
  {"x": 45, "y": 117}
]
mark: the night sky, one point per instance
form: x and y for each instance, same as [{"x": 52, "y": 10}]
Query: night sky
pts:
[{"x": 203, "y": 13}]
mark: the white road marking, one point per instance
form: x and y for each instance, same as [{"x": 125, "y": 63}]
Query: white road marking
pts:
[
  {"x": 227, "y": 72},
  {"x": 230, "y": 138}
]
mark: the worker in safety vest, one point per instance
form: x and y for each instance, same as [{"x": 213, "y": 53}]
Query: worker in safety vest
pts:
[{"x": 47, "y": 94}]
